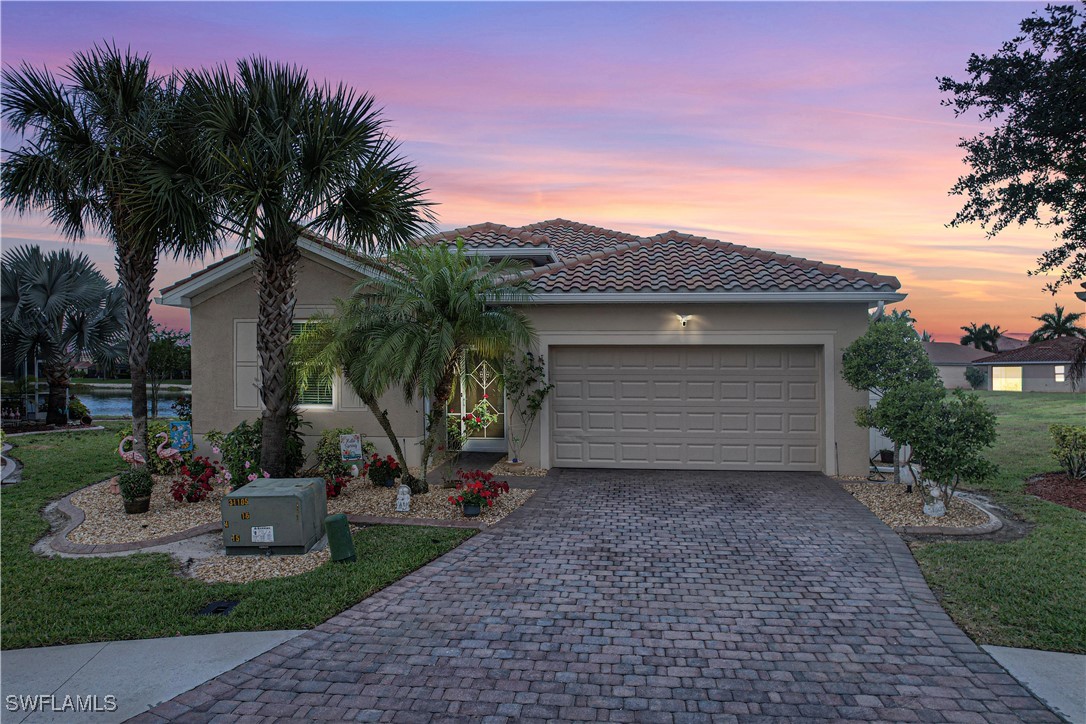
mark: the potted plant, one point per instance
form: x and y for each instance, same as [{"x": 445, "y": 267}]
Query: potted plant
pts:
[
  {"x": 335, "y": 486},
  {"x": 383, "y": 471},
  {"x": 136, "y": 485},
  {"x": 476, "y": 489}
]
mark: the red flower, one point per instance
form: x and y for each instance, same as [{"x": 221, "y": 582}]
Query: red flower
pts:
[{"x": 486, "y": 396}]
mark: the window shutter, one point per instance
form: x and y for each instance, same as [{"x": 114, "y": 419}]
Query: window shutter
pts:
[{"x": 246, "y": 367}]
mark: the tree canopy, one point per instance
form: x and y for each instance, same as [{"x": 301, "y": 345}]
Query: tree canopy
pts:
[
  {"x": 1031, "y": 166},
  {"x": 1057, "y": 324}
]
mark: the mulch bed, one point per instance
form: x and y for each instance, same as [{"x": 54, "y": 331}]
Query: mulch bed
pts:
[{"x": 1060, "y": 489}]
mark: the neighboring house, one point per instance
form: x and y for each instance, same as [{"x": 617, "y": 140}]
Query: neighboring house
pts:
[
  {"x": 952, "y": 359},
  {"x": 1040, "y": 367},
  {"x": 672, "y": 351}
]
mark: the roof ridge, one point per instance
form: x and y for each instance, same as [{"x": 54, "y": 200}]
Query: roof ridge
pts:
[
  {"x": 581, "y": 226},
  {"x": 584, "y": 258},
  {"x": 766, "y": 255},
  {"x": 518, "y": 232}
]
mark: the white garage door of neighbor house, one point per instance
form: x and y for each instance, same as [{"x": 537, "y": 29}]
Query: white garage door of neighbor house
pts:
[{"x": 722, "y": 408}]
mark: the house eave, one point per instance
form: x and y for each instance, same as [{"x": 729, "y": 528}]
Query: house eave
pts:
[{"x": 869, "y": 297}]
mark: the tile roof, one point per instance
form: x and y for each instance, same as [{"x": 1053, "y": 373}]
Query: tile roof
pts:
[
  {"x": 674, "y": 262},
  {"x": 594, "y": 259},
  {"x": 1061, "y": 349}
]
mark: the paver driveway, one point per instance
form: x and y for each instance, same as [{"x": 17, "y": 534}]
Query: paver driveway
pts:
[{"x": 636, "y": 596}]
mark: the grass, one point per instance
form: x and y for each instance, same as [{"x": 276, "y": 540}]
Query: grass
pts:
[
  {"x": 48, "y": 601},
  {"x": 1030, "y": 592}
]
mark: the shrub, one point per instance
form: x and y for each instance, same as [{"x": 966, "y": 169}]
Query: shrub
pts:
[
  {"x": 383, "y": 471},
  {"x": 976, "y": 377},
  {"x": 239, "y": 450},
  {"x": 333, "y": 487},
  {"x": 76, "y": 409},
  {"x": 155, "y": 464},
  {"x": 1070, "y": 449},
  {"x": 135, "y": 483},
  {"x": 183, "y": 408},
  {"x": 329, "y": 462},
  {"x": 196, "y": 480},
  {"x": 477, "y": 488}
]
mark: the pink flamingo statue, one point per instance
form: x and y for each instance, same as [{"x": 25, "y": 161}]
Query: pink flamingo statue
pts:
[
  {"x": 130, "y": 456},
  {"x": 170, "y": 454}
]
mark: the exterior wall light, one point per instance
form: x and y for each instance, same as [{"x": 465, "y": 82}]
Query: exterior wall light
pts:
[{"x": 683, "y": 319}]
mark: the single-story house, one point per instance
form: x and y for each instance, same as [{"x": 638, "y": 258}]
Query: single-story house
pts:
[
  {"x": 665, "y": 351},
  {"x": 951, "y": 360},
  {"x": 1038, "y": 367}
]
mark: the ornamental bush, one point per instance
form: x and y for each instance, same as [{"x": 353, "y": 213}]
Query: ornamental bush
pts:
[
  {"x": 135, "y": 483},
  {"x": 330, "y": 464},
  {"x": 195, "y": 480},
  {"x": 383, "y": 471},
  {"x": 976, "y": 377},
  {"x": 475, "y": 487},
  {"x": 1070, "y": 449}
]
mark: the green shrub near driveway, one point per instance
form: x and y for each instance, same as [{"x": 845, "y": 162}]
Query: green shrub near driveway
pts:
[
  {"x": 51, "y": 601},
  {"x": 1070, "y": 449},
  {"x": 1029, "y": 592}
]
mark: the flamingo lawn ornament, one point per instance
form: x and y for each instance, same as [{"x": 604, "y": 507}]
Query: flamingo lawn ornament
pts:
[
  {"x": 170, "y": 454},
  {"x": 130, "y": 455}
]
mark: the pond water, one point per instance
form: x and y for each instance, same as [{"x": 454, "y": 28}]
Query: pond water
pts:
[{"x": 118, "y": 403}]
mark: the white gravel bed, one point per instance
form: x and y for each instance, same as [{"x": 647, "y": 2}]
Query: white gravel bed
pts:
[
  {"x": 895, "y": 507},
  {"x": 361, "y": 497},
  {"x": 245, "y": 569},
  {"x": 501, "y": 468},
  {"x": 106, "y": 522}
]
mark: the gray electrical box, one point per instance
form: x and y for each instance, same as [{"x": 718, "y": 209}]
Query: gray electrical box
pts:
[{"x": 274, "y": 515}]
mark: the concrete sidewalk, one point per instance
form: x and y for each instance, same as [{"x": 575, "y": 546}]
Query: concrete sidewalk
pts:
[
  {"x": 1057, "y": 679},
  {"x": 137, "y": 674}
]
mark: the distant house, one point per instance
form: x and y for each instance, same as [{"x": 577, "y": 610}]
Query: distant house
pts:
[
  {"x": 1040, "y": 367},
  {"x": 951, "y": 359}
]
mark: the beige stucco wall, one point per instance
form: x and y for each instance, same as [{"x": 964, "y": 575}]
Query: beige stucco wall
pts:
[
  {"x": 1038, "y": 378},
  {"x": 720, "y": 324},
  {"x": 953, "y": 376},
  {"x": 213, "y": 315}
]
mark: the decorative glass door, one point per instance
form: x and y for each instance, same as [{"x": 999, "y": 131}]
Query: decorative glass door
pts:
[{"x": 478, "y": 403}]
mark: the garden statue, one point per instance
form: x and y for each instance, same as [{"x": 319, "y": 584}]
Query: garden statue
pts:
[
  {"x": 129, "y": 455},
  {"x": 403, "y": 499},
  {"x": 170, "y": 454}
]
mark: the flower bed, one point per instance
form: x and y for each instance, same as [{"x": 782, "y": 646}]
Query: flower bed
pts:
[
  {"x": 362, "y": 498},
  {"x": 897, "y": 508},
  {"x": 106, "y": 521}
]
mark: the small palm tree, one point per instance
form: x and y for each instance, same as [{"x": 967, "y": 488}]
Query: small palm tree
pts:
[
  {"x": 414, "y": 321},
  {"x": 56, "y": 308},
  {"x": 109, "y": 149},
  {"x": 984, "y": 337},
  {"x": 1057, "y": 324},
  {"x": 288, "y": 157}
]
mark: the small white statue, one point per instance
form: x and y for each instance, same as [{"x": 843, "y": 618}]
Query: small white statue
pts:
[{"x": 403, "y": 499}]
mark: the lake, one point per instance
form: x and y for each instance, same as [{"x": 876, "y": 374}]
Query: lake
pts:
[{"x": 118, "y": 403}]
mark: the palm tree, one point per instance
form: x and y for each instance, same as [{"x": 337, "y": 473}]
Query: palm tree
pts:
[
  {"x": 984, "y": 337},
  {"x": 289, "y": 157},
  {"x": 412, "y": 323},
  {"x": 108, "y": 150},
  {"x": 1057, "y": 324},
  {"x": 56, "y": 308}
]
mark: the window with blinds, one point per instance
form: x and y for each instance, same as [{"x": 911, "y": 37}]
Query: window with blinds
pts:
[{"x": 314, "y": 390}]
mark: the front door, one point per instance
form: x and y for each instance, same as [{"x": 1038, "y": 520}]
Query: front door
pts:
[{"x": 477, "y": 405}]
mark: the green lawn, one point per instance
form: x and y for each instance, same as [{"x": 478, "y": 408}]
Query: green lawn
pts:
[
  {"x": 1030, "y": 592},
  {"x": 47, "y": 601}
]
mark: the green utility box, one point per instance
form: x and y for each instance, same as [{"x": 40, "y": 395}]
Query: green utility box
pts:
[{"x": 274, "y": 515}]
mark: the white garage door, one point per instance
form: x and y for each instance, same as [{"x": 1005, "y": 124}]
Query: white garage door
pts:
[{"x": 738, "y": 408}]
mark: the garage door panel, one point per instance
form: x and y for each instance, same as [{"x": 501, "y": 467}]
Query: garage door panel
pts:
[{"x": 707, "y": 407}]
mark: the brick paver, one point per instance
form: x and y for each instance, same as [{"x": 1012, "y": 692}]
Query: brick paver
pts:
[{"x": 642, "y": 597}]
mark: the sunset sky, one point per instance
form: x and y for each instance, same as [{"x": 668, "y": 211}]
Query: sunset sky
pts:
[{"x": 812, "y": 129}]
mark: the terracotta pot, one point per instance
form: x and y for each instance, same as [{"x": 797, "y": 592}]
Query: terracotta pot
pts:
[
  {"x": 114, "y": 487},
  {"x": 137, "y": 505},
  {"x": 471, "y": 510}
]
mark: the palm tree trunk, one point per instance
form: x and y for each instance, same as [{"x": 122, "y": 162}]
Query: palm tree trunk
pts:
[
  {"x": 136, "y": 273},
  {"x": 439, "y": 401},
  {"x": 417, "y": 486},
  {"x": 57, "y": 378},
  {"x": 276, "y": 275}
]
